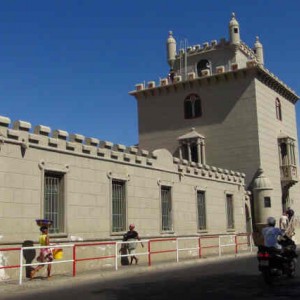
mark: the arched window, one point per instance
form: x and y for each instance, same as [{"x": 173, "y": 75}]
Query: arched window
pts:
[
  {"x": 278, "y": 109},
  {"x": 192, "y": 106},
  {"x": 202, "y": 65}
]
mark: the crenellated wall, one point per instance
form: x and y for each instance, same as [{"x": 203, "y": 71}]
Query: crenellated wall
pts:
[
  {"x": 61, "y": 141},
  {"x": 220, "y": 72},
  {"x": 88, "y": 166}
]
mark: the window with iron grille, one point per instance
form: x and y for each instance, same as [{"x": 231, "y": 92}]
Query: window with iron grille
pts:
[
  {"x": 201, "y": 210},
  {"x": 118, "y": 206},
  {"x": 230, "y": 215},
  {"x": 166, "y": 207},
  {"x": 54, "y": 200}
]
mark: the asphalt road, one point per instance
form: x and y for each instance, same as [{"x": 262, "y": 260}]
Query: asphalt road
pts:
[{"x": 233, "y": 278}]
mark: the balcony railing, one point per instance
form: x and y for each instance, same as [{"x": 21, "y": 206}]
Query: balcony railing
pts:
[{"x": 288, "y": 174}]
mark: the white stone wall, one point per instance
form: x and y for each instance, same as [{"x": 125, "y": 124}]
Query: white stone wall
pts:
[
  {"x": 88, "y": 170},
  {"x": 228, "y": 123},
  {"x": 270, "y": 128}
]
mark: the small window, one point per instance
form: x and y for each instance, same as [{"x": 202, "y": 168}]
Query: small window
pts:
[
  {"x": 230, "y": 211},
  {"x": 203, "y": 64},
  {"x": 267, "y": 201},
  {"x": 54, "y": 200},
  {"x": 194, "y": 152},
  {"x": 166, "y": 208},
  {"x": 236, "y": 30},
  {"x": 118, "y": 206},
  {"x": 192, "y": 107},
  {"x": 201, "y": 210},
  {"x": 278, "y": 109}
]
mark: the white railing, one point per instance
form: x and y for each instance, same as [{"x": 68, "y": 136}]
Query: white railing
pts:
[
  {"x": 200, "y": 243},
  {"x": 232, "y": 242},
  {"x": 178, "y": 249},
  {"x": 117, "y": 255},
  {"x": 40, "y": 263}
]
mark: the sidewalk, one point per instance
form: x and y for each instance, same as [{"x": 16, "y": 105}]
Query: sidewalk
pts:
[{"x": 42, "y": 284}]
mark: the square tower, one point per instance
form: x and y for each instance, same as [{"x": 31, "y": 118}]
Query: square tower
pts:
[{"x": 220, "y": 106}]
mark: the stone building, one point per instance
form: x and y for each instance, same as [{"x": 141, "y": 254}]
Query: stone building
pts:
[
  {"x": 93, "y": 189},
  {"x": 220, "y": 115},
  {"x": 221, "y": 106}
]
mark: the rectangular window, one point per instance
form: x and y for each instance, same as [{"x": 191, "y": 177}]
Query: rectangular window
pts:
[
  {"x": 166, "y": 206},
  {"x": 201, "y": 210},
  {"x": 230, "y": 215},
  {"x": 267, "y": 201},
  {"x": 54, "y": 200},
  {"x": 118, "y": 206}
]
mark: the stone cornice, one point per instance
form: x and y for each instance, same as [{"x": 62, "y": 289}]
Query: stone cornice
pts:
[
  {"x": 273, "y": 82},
  {"x": 260, "y": 72}
]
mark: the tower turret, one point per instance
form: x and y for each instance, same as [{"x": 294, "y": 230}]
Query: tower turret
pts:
[
  {"x": 259, "y": 51},
  {"x": 234, "y": 30},
  {"x": 262, "y": 192},
  {"x": 171, "y": 49}
]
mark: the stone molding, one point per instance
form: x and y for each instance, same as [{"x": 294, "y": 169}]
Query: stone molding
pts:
[{"x": 61, "y": 142}]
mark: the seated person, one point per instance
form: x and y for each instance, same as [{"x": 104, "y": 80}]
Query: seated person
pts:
[{"x": 271, "y": 234}]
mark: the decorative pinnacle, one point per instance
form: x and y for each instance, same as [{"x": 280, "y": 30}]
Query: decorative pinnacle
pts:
[
  {"x": 170, "y": 32},
  {"x": 257, "y": 38},
  {"x": 233, "y": 15}
]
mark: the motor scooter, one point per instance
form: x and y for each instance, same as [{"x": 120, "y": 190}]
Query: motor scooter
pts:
[{"x": 274, "y": 262}]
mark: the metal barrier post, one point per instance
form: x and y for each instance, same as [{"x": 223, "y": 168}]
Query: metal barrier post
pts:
[
  {"x": 149, "y": 253},
  {"x": 236, "y": 244},
  {"x": 199, "y": 244},
  {"x": 177, "y": 251},
  {"x": 116, "y": 256},
  {"x": 74, "y": 260},
  {"x": 21, "y": 266}
]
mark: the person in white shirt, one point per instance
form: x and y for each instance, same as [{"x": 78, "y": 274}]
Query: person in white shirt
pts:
[{"x": 284, "y": 221}]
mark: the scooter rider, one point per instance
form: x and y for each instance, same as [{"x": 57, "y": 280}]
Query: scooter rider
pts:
[{"x": 271, "y": 234}]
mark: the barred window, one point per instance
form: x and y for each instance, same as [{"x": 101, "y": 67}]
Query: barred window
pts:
[
  {"x": 54, "y": 200},
  {"x": 118, "y": 206},
  {"x": 201, "y": 210},
  {"x": 166, "y": 206},
  {"x": 230, "y": 214}
]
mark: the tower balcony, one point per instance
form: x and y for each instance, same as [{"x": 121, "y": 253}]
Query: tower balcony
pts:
[{"x": 288, "y": 175}]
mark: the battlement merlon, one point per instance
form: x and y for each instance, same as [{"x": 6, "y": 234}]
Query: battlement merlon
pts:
[
  {"x": 45, "y": 139},
  {"x": 215, "y": 60},
  {"x": 213, "y": 53},
  {"x": 262, "y": 73}
]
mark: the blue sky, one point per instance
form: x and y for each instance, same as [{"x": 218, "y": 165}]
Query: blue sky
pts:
[{"x": 70, "y": 64}]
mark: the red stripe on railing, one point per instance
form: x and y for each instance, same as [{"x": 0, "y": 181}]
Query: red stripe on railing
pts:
[{"x": 10, "y": 249}]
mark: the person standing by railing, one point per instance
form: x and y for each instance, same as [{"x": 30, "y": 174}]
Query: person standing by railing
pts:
[
  {"x": 290, "y": 213},
  {"x": 45, "y": 253},
  {"x": 284, "y": 221},
  {"x": 131, "y": 236}
]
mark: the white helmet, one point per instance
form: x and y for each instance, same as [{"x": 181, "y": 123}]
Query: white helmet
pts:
[{"x": 271, "y": 221}]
